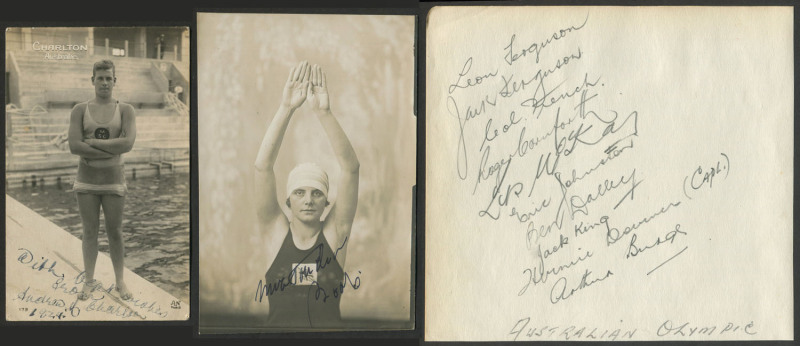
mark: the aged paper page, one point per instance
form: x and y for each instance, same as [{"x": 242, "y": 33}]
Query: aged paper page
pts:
[{"x": 609, "y": 173}]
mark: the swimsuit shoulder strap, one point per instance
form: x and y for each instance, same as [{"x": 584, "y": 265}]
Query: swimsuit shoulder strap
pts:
[
  {"x": 87, "y": 116},
  {"x": 117, "y": 113}
]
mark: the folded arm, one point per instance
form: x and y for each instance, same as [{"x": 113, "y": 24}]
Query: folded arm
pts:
[
  {"x": 124, "y": 143},
  {"x": 75, "y": 137}
]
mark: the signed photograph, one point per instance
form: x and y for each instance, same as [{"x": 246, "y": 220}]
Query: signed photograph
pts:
[
  {"x": 307, "y": 168},
  {"x": 609, "y": 173},
  {"x": 97, "y": 174}
]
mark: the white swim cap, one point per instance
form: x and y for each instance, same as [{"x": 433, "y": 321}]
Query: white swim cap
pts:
[{"x": 307, "y": 174}]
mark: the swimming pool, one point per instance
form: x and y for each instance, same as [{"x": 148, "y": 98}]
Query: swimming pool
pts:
[{"x": 155, "y": 228}]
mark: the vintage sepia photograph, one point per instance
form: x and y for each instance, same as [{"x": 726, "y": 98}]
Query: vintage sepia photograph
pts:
[
  {"x": 97, "y": 174},
  {"x": 307, "y": 169}
]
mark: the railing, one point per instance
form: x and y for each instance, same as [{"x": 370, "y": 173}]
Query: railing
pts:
[
  {"x": 36, "y": 140},
  {"x": 167, "y": 77},
  {"x": 32, "y": 117},
  {"x": 179, "y": 79},
  {"x": 16, "y": 141},
  {"x": 162, "y": 82},
  {"x": 172, "y": 102}
]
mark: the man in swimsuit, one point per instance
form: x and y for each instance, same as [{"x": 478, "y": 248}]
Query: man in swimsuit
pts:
[
  {"x": 100, "y": 131},
  {"x": 305, "y": 278}
]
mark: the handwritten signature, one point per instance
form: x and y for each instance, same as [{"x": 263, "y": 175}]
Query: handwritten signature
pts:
[
  {"x": 54, "y": 306},
  {"x": 537, "y": 143},
  {"x": 271, "y": 288}
]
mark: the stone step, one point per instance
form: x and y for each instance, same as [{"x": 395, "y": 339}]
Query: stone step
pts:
[
  {"x": 29, "y": 235},
  {"x": 67, "y": 175},
  {"x": 38, "y": 62},
  {"x": 65, "y": 112},
  {"x": 139, "y": 83},
  {"x": 30, "y": 295},
  {"x": 29, "y": 70},
  {"x": 57, "y": 126},
  {"x": 62, "y": 118},
  {"x": 62, "y": 122},
  {"x": 142, "y": 121},
  {"x": 143, "y": 126},
  {"x": 37, "y": 58},
  {"x": 142, "y": 148},
  {"x": 151, "y": 137},
  {"x": 69, "y": 163},
  {"x": 47, "y": 76}
]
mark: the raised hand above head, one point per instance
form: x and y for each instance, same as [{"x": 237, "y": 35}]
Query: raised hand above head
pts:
[
  {"x": 318, "y": 90},
  {"x": 294, "y": 93}
]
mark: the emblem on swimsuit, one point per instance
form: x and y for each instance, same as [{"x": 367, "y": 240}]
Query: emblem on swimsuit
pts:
[
  {"x": 101, "y": 133},
  {"x": 304, "y": 274}
]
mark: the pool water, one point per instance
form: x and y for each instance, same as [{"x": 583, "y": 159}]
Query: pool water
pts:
[{"x": 155, "y": 226}]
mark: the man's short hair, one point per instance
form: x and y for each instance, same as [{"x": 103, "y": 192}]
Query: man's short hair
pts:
[{"x": 104, "y": 65}]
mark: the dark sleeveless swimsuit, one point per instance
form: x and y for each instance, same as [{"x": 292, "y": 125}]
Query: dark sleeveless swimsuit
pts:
[{"x": 305, "y": 286}]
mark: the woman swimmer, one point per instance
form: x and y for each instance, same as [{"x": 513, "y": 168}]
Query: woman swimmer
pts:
[{"x": 309, "y": 253}]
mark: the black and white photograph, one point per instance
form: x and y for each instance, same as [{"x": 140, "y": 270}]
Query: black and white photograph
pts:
[
  {"x": 97, "y": 174},
  {"x": 306, "y": 172}
]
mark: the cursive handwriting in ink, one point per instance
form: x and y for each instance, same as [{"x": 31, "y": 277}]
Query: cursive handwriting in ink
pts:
[
  {"x": 117, "y": 310},
  {"x": 339, "y": 289},
  {"x": 148, "y": 306},
  {"x": 559, "y": 291},
  {"x": 53, "y": 305},
  {"x": 536, "y": 48},
  {"x": 613, "y": 235},
  {"x": 581, "y": 205},
  {"x": 491, "y": 133},
  {"x": 26, "y": 297},
  {"x": 534, "y": 234},
  {"x": 270, "y": 288},
  {"x": 700, "y": 177},
  {"x": 613, "y": 151},
  {"x": 525, "y": 217},
  {"x": 497, "y": 192},
  {"x": 539, "y": 275},
  {"x": 469, "y": 82},
  {"x": 634, "y": 249},
  {"x": 462, "y": 163},
  {"x": 532, "y": 124},
  {"x": 26, "y": 257}
]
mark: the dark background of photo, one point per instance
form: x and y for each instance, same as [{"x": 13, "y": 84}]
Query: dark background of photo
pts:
[{"x": 161, "y": 13}]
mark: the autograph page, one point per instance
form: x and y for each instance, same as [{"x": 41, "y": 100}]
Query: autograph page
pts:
[{"x": 609, "y": 174}]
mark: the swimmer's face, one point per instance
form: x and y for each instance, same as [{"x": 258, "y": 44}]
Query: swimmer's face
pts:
[
  {"x": 103, "y": 82},
  {"x": 307, "y": 204}
]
